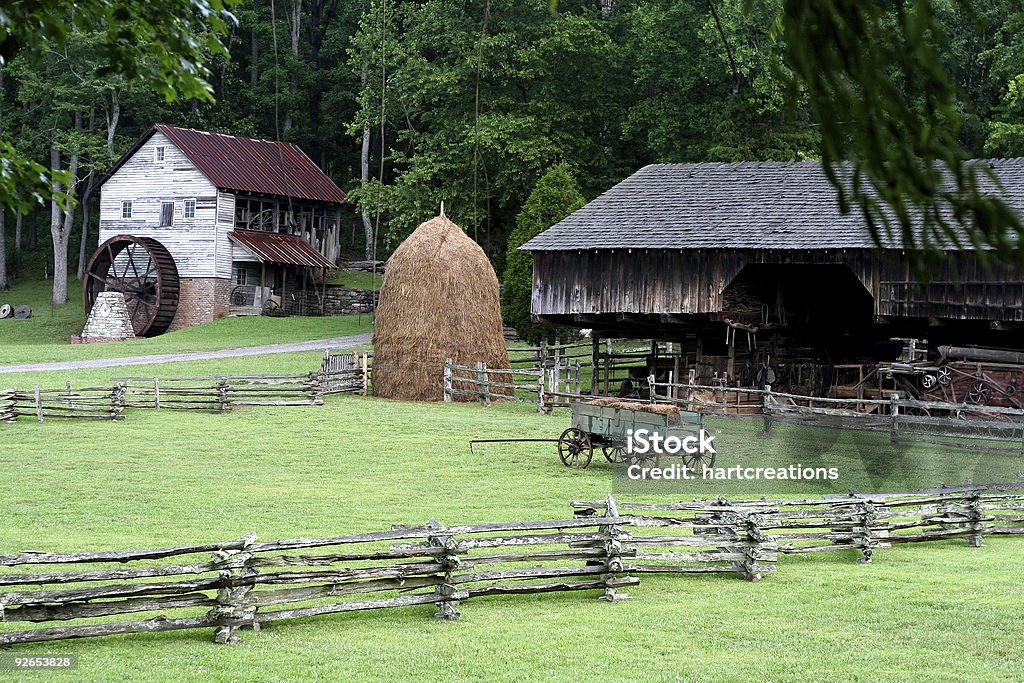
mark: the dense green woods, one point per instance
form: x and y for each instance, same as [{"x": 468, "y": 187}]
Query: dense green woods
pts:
[{"x": 470, "y": 102}]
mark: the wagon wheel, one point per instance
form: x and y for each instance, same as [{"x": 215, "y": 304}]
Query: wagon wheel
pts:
[
  {"x": 698, "y": 461},
  {"x": 978, "y": 392},
  {"x": 944, "y": 375},
  {"x": 615, "y": 452},
  {"x": 239, "y": 296},
  {"x": 574, "y": 448},
  {"x": 144, "y": 272},
  {"x": 648, "y": 459}
]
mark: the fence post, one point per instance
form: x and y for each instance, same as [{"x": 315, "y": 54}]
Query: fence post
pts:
[
  {"x": 222, "y": 394},
  {"x": 117, "y": 401},
  {"x": 766, "y": 410},
  {"x": 976, "y": 514},
  {"x": 366, "y": 375},
  {"x": 39, "y": 404},
  {"x": 541, "y": 403},
  {"x": 894, "y": 414},
  {"x": 447, "y": 380},
  {"x": 866, "y": 518},
  {"x": 235, "y": 606},
  {"x": 156, "y": 393},
  {"x": 447, "y": 591},
  {"x": 483, "y": 387},
  {"x": 613, "y": 553},
  {"x": 316, "y": 388}
]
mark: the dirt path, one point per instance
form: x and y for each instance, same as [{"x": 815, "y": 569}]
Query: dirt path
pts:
[{"x": 293, "y": 347}]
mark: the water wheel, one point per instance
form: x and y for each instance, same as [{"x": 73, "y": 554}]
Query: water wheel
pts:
[{"x": 143, "y": 270}]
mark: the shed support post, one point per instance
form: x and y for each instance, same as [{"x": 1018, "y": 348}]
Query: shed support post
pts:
[
  {"x": 894, "y": 415},
  {"x": 766, "y": 408}
]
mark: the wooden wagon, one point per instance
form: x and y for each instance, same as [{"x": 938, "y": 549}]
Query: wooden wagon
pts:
[{"x": 607, "y": 424}]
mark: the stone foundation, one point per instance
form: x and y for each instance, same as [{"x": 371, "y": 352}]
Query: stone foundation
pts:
[
  {"x": 108, "y": 319},
  {"x": 202, "y": 299}
]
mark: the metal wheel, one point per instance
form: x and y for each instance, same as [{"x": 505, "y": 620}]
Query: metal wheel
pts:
[
  {"x": 575, "y": 448},
  {"x": 928, "y": 382},
  {"x": 239, "y": 296},
  {"x": 978, "y": 392},
  {"x": 142, "y": 269},
  {"x": 944, "y": 375},
  {"x": 698, "y": 461},
  {"x": 647, "y": 459},
  {"x": 615, "y": 452}
]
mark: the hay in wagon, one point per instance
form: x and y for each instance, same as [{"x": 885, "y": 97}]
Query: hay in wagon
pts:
[{"x": 439, "y": 300}]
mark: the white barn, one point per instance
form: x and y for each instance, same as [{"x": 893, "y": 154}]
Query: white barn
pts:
[{"x": 249, "y": 223}]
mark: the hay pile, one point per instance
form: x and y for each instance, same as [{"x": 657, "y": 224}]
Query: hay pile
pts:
[
  {"x": 439, "y": 299},
  {"x": 656, "y": 408}
]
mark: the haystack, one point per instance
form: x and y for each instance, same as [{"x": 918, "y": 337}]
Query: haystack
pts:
[{"x": 439, "y": 299}]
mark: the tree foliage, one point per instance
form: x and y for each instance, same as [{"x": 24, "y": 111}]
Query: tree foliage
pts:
[
  {"x": 876, "y": 84},
  {"x": 553, "y": 198}
]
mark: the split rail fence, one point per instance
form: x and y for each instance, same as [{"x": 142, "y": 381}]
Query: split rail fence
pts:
[
  {"x": 757, "y": 531},
  {"x": 542, "y": 387},
  {"x": 247, "y": 583},
  {"x": 955, "y": 425}
]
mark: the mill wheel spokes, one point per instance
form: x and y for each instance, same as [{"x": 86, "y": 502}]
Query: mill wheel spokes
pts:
[{"x": 143, "y": 271}]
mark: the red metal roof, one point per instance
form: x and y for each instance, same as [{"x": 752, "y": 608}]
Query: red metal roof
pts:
[
  {"x": 276, "y": 247},
  {"x": 235, "y": 162}
]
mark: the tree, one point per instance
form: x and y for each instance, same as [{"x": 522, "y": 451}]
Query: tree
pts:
[
  {"x": 554, "y": 197},
  {"x": 161, "y": 42},
  {"x": 875, "y": 81}
]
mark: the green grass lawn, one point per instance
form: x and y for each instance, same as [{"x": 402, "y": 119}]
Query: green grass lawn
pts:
[
  {"x": 45, "y": 337},
  {"x": 939, "y": 611},
  {"x": 356, "y": 279}
]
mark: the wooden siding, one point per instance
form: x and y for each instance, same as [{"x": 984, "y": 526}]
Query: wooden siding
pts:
[
  {"x": 692, "y": 282},
  {"x": 148, "y": 183},
  {"x": 225, "y": 224}
]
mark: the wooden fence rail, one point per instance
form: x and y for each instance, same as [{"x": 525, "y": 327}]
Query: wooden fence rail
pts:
[
  {"x": 222, "y": 392},
  {"x": 955, "y": 425},
  {"x": 544, "y": 387},
  {"x": 346, "y": 372},
  {"x": 90, "y": 403},
  {"x": 246, "y": 583},
  {"x": 862, "y": 523}
]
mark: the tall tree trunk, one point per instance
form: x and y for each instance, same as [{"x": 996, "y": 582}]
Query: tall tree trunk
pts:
[
  {"x": 60, "y": 249},
  {"x": 321, "y": 15},
  {"x": 293, "y": 83},
  {"x": 18, "y": 220},
  {"x": 113, "y": 116},
  {"x": 364, "y": 178},
  {"x": 3, "y": 250},
  {"x": 254, "y": 58},
  {"x": 62, "y": 221},
  {"x": 90, "y": 187}
]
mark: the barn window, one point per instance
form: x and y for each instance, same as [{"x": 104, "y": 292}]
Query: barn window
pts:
[
  {"x": 166, "y": 214},
  {"x": 159, "y": 153},
  {"x": 241, "y": 275},
  {"x": 126, "y": 209},
  {"x": 190, "y": 208}
]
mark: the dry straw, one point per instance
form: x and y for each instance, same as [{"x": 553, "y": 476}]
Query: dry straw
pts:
[{"x": 439, "y": 299}]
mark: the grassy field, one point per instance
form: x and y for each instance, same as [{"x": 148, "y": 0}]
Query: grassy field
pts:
[
  {"x": 940, "y": 611},
  {"x": 356, "y": 279},
  {"x": 45, "y": 336}
]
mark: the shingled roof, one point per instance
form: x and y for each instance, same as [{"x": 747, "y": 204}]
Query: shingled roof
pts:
[
  {"x": 244, "y": 164},
  {"x": 746, "y": 205}
]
